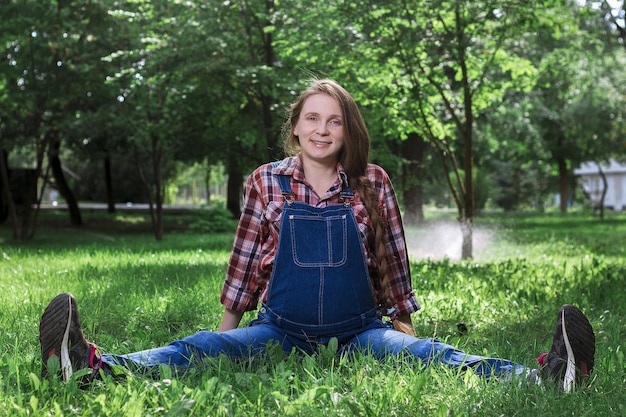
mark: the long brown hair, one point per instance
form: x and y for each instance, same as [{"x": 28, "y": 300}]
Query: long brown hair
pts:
[{"x": 354, "y": 158}]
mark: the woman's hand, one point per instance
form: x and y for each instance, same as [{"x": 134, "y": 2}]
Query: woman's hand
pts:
[{"x": 404, "y": 324}]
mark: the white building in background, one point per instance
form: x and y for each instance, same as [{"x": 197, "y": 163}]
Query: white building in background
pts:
[{"x": 591, "y": 182}]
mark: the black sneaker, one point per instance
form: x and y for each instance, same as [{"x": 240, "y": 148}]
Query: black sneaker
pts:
[
  {"x": 62, "y": 340},
  {"x": 570, "y": 360}
]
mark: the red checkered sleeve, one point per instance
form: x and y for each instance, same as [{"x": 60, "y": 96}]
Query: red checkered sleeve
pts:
[
  {"x": 241, "y": 288},
  {"x": 399, "y": 272}
]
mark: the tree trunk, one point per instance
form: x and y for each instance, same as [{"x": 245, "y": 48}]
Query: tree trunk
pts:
[
  {"x": 605, "y": 187},
  {"x": 274, "y": 151},
  {"x": 271, "y": 137},
  {"x": 233, "y": 191},
  {"x": 6, "y": 198},
  {"x": 265, "y": 87},
  {"x": 109, "y": 184},
  {"x": 563, "y": 181},
  {"x": 207, "y": 185},
  {"x": 467, "y": 231},
  {"x": 158, "y": 226},
  {"x": 157, "y": 154},
  {"x": 467, "y": 129},
  {"x": 60, "y": 182},
  {"x": 27, "y": 229},
  {"x": 413, "y": 151},
  {"x": 29, "y": 224}
]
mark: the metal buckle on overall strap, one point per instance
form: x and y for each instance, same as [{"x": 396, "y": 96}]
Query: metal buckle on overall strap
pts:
[
  {"x": 288, "y": 196},
  {"x": 347, "y": 194},
  {"x": 347, "y": 197}
]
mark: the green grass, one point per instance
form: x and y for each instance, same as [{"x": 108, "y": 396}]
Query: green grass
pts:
[{"x": 135, "y": 293}]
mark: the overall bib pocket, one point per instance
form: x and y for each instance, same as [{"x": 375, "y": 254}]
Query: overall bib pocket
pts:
[{"x": 319, "y": 241}]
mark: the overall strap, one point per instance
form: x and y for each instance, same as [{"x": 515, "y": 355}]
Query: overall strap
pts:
[
  {"x": 347, "y": 194},
  {"x": 284, "y": 183}
]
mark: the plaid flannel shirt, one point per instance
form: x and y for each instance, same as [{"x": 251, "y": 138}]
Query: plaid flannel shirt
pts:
[{"x": 256, "y": 239}]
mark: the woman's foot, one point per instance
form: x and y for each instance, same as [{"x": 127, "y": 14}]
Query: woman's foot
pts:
[
  {"x": 571, "y": 357},
  {"x": 62, "y": 340}
]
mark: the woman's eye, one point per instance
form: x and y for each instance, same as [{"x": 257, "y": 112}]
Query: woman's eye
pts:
[{"x": 335, "y": 122}]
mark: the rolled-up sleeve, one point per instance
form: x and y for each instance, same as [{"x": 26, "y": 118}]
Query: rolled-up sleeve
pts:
[
  {"x": 399, "y": 273},
  {"x": 241, "y": 291}
]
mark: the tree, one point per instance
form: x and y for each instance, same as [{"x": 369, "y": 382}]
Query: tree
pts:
[
  {"x": 572, "y": 105},
  {"x": 514, "y": 152},
  {"x": 615, "y": 16},
  {"x": 47, "y": 50},
  {"x": 150, "y": 77},
  {"x": 205, "y": 82},
  {"x": 26, "y": 77},
  {"x": 444, "y": 62}
]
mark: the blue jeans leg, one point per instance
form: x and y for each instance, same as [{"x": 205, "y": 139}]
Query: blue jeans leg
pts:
[
  {"x": 383, "y": 342},
  {"x": 237, "y": 343}
]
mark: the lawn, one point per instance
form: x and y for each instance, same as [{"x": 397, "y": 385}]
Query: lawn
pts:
[{"x": 134, "y": 293}]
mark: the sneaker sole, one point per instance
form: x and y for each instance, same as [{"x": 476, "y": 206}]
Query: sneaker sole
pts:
[
  {"x": 569, "y": 378},
  {"x": 55, "y": 321},
  {"x": 577, "y": 360}
]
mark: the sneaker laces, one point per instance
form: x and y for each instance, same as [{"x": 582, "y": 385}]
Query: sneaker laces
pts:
[{"x": 93, "y": 354}]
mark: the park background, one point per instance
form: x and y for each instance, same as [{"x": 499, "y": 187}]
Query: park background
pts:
[{"x": 114, "y": 114}]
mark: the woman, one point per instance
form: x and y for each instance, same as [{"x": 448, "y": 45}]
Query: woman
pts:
[{"x": 320, "y": 244}]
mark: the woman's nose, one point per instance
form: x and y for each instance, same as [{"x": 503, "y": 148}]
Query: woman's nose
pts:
[{"x": 322, "y": 128}]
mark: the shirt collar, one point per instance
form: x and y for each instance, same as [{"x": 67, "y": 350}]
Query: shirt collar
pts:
[{"x": 292, "y": 166}]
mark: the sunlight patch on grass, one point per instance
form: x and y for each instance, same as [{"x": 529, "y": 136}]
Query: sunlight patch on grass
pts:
[{"x": 131, "y": 219}]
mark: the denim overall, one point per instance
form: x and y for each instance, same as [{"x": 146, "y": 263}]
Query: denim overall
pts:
[
  {"x": 319, "y": 289},
  {"x": 320, "y": 284}
]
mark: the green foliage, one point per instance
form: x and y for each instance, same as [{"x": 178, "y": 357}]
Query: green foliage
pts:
[
  {"x": 215, "y": 220},
  {"x": 163, "y": 83},
  {"x": 482, "y": 186},
  {"x": 134, "y": 293}
]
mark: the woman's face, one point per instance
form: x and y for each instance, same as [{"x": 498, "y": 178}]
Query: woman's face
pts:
[{"x": 320, "y": 129}]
